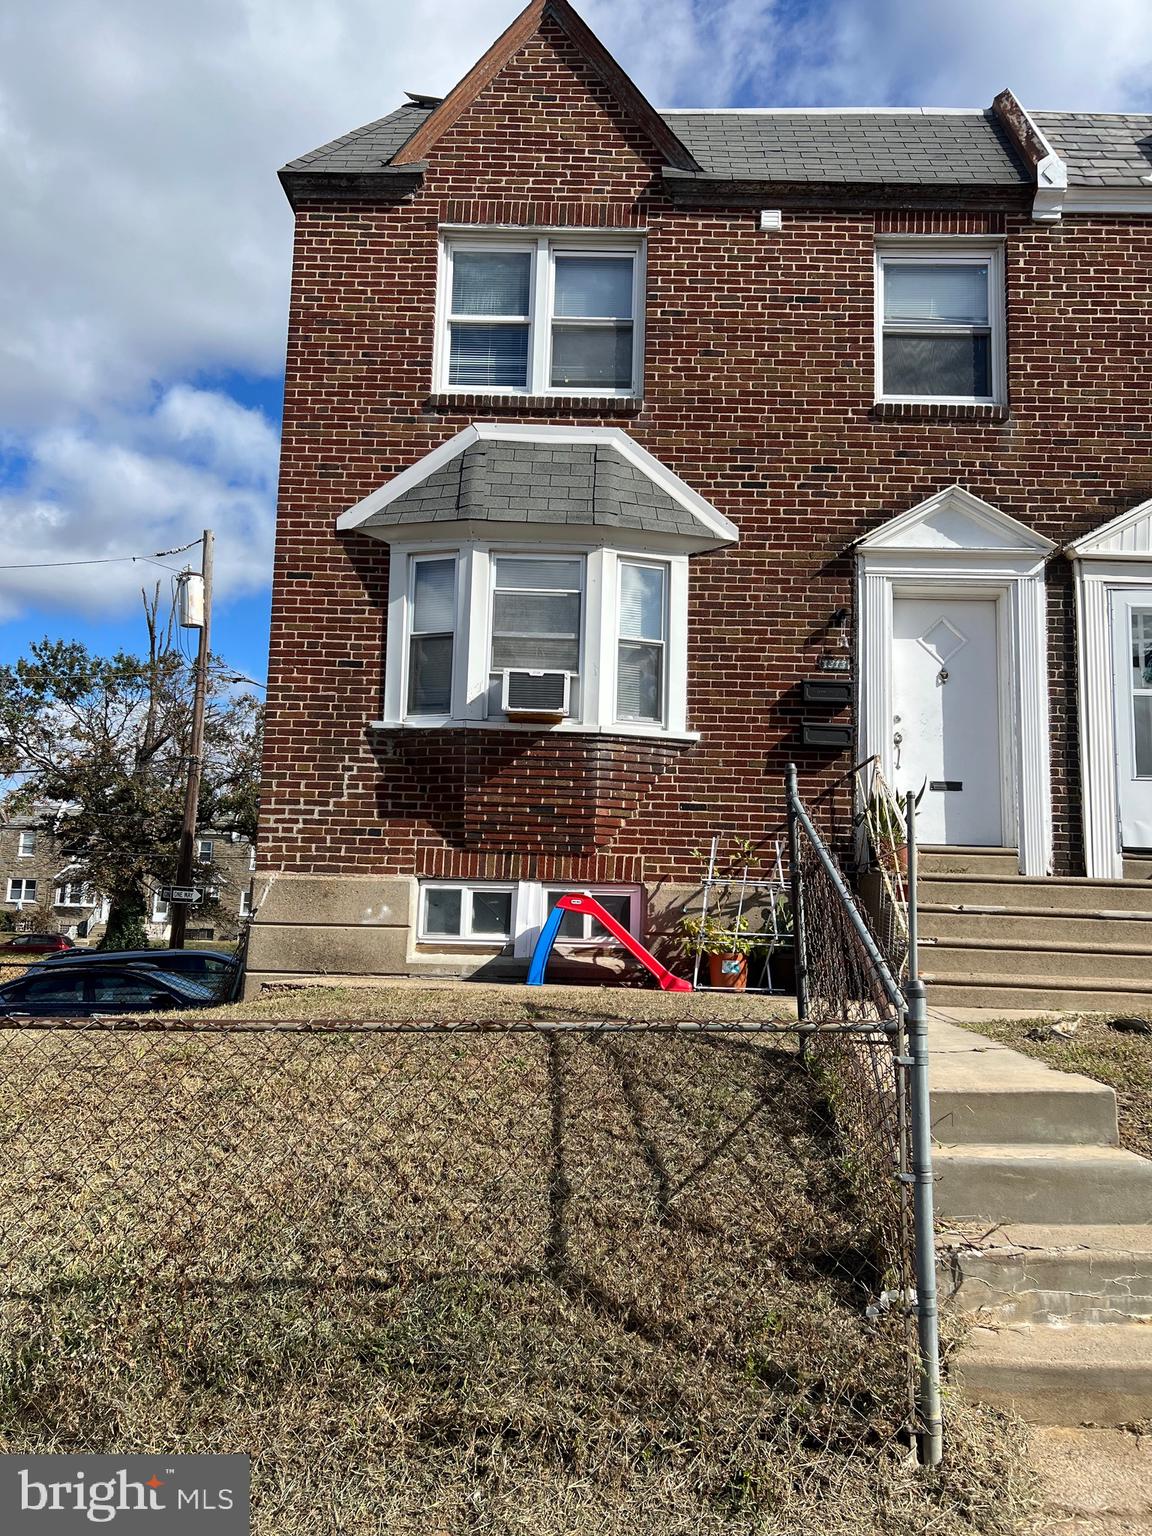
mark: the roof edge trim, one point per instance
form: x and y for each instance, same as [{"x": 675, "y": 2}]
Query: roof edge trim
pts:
[{"x": 1049, "y": 170}]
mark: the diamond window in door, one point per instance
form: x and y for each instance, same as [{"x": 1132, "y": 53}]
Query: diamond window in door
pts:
[{"x": 942, "y": 641}]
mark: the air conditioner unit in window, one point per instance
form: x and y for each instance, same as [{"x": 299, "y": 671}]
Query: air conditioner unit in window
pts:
[{"x": 528, "y": 695}]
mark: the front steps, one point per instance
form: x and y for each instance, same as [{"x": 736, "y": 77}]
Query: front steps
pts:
[
  {"x": 991, "y": 938},
  {"x": 1046, "y": 1242}
]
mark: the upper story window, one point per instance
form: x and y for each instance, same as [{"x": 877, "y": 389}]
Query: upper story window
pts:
[
  {"x": 26, "y": 845},
  {"x": 467, "y": 623},
  {"x": 940, "y": 322},
  {"x": 541, "y": 314},
  {"x": 205, "y": 850}
]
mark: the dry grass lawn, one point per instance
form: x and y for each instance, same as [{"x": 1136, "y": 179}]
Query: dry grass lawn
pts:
[{"x": 514, "y": 1283}]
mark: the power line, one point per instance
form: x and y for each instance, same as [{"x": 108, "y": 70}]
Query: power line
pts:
[{"x": 53, "y": 565}]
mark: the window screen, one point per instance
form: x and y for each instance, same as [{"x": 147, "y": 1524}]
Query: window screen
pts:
[
  {"x": 490, "y": 317},
  {"x": 640, "y": 654}
]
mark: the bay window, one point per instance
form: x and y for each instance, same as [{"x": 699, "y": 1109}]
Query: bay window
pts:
[
  {"x": 541, "y": 314},
  {"x": 613, "y": 621},
  {"x": 940, "y": 322}
]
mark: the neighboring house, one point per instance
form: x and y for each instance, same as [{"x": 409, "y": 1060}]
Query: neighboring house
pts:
[
  {"x": 608, "y": 430},
  {"x": 36, "y": 878}
]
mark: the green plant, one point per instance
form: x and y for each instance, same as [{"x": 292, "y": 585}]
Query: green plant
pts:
[
  {"x": 719, "y": 936},
  {"x": 887, "y": 815}
]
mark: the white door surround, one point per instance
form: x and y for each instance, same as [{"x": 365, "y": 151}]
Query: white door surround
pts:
[
  {"x": 954, "y": 545},
  {"x": 1113, "y": 558}
]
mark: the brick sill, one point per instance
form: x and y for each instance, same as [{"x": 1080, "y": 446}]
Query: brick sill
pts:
[
  {"x": 406, "y": 727},
  {"x": 927, "y": 410},
  {"x": 537, "y": 405}
]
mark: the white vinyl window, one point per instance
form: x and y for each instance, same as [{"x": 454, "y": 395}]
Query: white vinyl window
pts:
[
  {"x": 582, "y": 927},
  {"x": 26, "y": 845},
  {"x": 246, "y": 903},
  {"x": 431, "y": 638},
  {"x": 159, "y": 909},
  {"x": 205, "y": 850},
  {"x": 536, "y": 619},
  {"x": 21, "y": 891},
  {"x": 613, "y": 621},
  {"x": 940, "y": 323},
  {"x": 74, "y": 893},
  {"x": 479, "y": 914},
  {"x": 541, "y": 314},
  {"x": 642, "y": 642}
]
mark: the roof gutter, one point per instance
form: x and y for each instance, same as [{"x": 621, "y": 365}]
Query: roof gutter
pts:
[
  {"x": 1046, "y": 165},
  {"x": 384, "y": 184}
]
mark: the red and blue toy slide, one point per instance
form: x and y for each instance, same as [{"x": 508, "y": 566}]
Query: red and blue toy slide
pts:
[{"x": 590, "y": 906}]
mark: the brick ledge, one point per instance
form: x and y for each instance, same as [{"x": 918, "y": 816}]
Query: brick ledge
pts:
[
  {"x": 928, "y": 410},
  {"x": 535, "y": 405}
]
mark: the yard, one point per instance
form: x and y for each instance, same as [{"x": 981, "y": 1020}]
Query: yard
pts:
[{"x": 520, "y": 1280}]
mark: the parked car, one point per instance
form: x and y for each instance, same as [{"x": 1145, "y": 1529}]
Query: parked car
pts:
[
  {"x": 204, "y": 963},
  {"x": 79, "y": 991},
  {"x": 39, "y": 944}
]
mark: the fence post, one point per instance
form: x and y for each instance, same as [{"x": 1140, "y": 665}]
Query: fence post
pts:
[
  {"x": 927, "y": 1306},
  {"x": 799, "y": 943}
]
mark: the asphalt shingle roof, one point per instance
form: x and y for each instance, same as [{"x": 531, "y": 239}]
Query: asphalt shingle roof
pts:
[
  {"x": 585, "y": 484},
  {"x": 920, "y": 147},
  {"x": 852, "y": 146},
  {"x": 1101, "y": 149}
]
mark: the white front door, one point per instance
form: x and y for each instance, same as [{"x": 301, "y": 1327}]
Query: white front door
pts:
[
  {"x": 946, "y": 716},
  {"x": 1132, "y": 693}
]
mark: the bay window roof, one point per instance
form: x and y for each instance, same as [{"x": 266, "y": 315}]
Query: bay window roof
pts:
[{"x": 494, "y": 481}]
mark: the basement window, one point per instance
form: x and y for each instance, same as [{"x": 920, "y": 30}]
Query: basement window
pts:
[
  {"x": 538, "y": 314},
  {"x": 478, "y": 914},
  {"x": 940, "y": 323}
]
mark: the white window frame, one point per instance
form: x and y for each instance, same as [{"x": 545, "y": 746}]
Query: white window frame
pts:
[
  {"x": 161, "y": 911},
  {"x": 24, "y": 899},
  {"x": 467, "y": 888},
  {"x": 595, "y": 699},
  {"x": 246, "y": 902},
  {"x": 408, "y": 567},
  {"x": 566, "y": 888},
  {"x": 961, "y": 250},
  {"x": 544, "y": 248},
  {"x": 622, "y": 639},
  {"x": 582, "y": 635},
  {"x": 26, "y": 845},
  {"x": 210, "y": 844},
  {"x": 66, "y": 888}
]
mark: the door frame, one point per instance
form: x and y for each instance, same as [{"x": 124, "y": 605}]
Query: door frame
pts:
[
  {"x": 1096, "y": 580},
  {"x": 954, "y": 545}
]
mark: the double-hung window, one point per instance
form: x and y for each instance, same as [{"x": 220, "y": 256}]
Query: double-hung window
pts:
[
  {"x": 205, "y": 850},
  {"x": 640, "y": 664},
  {"x": 541, "y": 315},
  {"x": 432, "y": 603},
  {"x": 21, "y": 891},
  {"x": 940, "y": 323},
  {"x": 74, "y": 893},
  {"x": 536, "y": 618},
  {"x": 26, "y": 845}
]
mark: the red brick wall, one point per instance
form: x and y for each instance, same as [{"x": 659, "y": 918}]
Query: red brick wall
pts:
[{"x": 759, "y": 384}]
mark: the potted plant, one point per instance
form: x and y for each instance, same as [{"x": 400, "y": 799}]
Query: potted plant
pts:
[
  {"x": 726, "y": 945},
  {"x": 887, "y": 820}
]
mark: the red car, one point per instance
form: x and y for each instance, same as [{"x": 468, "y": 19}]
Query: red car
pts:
[{"x": 38, "y": 944}]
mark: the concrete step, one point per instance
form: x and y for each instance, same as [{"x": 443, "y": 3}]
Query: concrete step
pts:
[
  {"x": 1131, "y": 930},
  {"x": 1049, "y": 1274},
  {"x": 984, "y": 1092},
  {"x": 1011, "y": 892},
  {"x": 969, "y": 861},
  {"x": 1042, "y": 1182},
  {"x": 1066, "y": 995},
  {"x": 1095, "y": 1374},
  {"x": 1137, "y": 866},
  {"x": 1010, "y": 956}
]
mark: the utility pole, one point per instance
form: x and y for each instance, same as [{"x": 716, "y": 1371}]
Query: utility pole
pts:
[{"x": 179, "y": 910}]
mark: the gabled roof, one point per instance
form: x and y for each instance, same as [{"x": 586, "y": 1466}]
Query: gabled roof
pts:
[
  {"x": 514, "y": 478},
  {"x": 1101, "y": 149},
  {"x": 1128, "y": 536},
  {"x": 954, "y": 519}
]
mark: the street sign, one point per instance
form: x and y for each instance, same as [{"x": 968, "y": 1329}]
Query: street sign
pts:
[{"x": 181, "y": 895}]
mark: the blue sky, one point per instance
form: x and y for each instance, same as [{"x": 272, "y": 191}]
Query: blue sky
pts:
[{"x": 145, "y": 243}]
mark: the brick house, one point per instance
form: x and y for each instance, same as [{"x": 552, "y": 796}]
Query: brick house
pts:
[
  {"x": 36, "y": 877},
  {"x": 606, "y": 430}
]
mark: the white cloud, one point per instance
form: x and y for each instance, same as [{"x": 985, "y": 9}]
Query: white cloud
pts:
[
  {"x": 146, "y": 241},
  {"x": 138, "y": 484}
]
